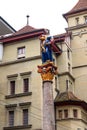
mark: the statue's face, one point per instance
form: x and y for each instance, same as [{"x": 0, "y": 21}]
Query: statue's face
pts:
[{"x": 42, "y": 37}]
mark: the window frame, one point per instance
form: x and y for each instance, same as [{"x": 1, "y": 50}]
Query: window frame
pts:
[
  {"x": 69, "y": 67},
  {"x": 11, "y": 78},
  {"x": 12, "y": 87},
  {"x": 66, "y": 113},
  {"x": 21, "y": 52},
  {"x": 75, "y": 113},
  {"x": 85, "y": 17},
  {"x": 25, "y": 85},
  {"x": 77, "y": 20},
  {"x": 26, "y": 75},
  {"x": 11, "y": 118},
  {"x": 68, "y": 53},
  {"x": 25, "y": 116},
  {"x": 60, "y": 114}
]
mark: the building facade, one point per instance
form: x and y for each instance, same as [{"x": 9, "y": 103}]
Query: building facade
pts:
[{"x": 21, "y": 85}]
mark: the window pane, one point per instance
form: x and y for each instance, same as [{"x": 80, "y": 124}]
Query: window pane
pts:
[
  {"x": 85, "y": 19},
  {"x": 11, "y": 118},
  {"x": 25, "y": 117},
  {"x": 77, "y": 21},
  {"x": 66, "y": 113},
  {"x": 12, "y": 87},
  {"x": 75, "y": 113},
  {"x": 21, "y": 50},
  {"x": 60, "y": 114},
  {"x": 26, "y": 84}
]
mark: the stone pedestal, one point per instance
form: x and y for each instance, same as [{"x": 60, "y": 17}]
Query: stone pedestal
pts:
[{"x": 47, "y": 72}]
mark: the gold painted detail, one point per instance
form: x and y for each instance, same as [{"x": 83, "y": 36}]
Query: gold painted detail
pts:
[{"x": 47, "y": 71}]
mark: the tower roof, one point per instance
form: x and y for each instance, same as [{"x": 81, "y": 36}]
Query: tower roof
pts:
[
  {"x": 66, "y": 96},
  {"x": 79, "y": 7}
]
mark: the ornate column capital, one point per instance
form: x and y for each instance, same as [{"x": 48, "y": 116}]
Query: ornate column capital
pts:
[{"x": 47, "y": 71}]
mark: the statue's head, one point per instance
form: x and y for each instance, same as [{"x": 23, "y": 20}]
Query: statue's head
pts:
[{"x": 42, "y": 37}]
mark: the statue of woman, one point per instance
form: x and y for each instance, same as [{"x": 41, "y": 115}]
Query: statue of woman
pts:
[{"x": 46, "y": 48}]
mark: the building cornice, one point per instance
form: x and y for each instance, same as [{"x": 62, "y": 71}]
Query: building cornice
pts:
[
  {"x": 82, "y": 104},
  {"x": 20, "y": 60},
  {"x": 18, "y": 127},
  {"x": 18, "y": 95},
  {"x": 66, "y": 73},
  {"x": 27, "y": 35},
  {"x": 76, "y": 27},
  {"x": 79, "y": 66},
  {"x": 69, "y": 119}
]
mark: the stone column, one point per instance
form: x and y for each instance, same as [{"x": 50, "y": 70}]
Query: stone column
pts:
[
  {"x": 48, "y": 106},
  {"x": 48, "y": 71}
]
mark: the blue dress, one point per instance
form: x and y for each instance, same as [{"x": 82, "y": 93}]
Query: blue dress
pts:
[{"x": 47, "y": 54}]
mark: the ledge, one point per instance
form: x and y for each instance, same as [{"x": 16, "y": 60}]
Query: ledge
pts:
[
  {"x": 66, "y": 73},
  {"x": 76, "y": 27},
  {"x": 18, "y": 95},
  {"x": 74, "y": 119},
  {"x": 11, "y": 106},
  {"x": 17, "y": 127},
  {"x": 25, "y": 104},
  {"x": 12, "y": 76},
  {"x": 25, "y": 73},
  {"x": 20, "y": 60}
]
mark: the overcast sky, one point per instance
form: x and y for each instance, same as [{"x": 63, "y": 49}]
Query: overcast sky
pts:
[{"x": 43, "y": 13}]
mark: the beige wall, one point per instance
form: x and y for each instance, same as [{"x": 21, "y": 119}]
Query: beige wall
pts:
[
  {"x": 70, "y": 123},
  {"x": 72, "y": 19},
  {"x": 32, "y": 48}
]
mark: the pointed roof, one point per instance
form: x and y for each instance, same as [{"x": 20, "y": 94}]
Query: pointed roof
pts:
[
  {"x": 66, "y": 96},
  {"x": 79, "y": 7},
  {"x": 24, "y": 33},
  {"x": 25, "y": 29}
]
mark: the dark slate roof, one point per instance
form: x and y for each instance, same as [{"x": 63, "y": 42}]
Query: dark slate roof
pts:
[
  {"x": 66, "y": 96},
  {"x": 79, "y": 7}
]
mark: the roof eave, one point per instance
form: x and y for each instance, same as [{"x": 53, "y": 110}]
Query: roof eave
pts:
[
  {"x": 81, "y": 103},
  {"x": 73, "y": 12},
  {"x": 19, "y": 37}
]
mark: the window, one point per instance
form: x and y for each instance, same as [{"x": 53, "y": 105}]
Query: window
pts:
[
  {"x": 77, "y": 20},
  {"x": 26, "y": 84},
  {"x": 69, "y": 67},
  {"x": 65, "y": 113},
  {"x": 60, "y": 114},
  {"x": 25, "y": 116},
  {"x": 21, "y": 52},
  {"x": 75, "y": 113},
  {"x": 12, "y": 87},
  {"x": 68, "y": 53},
  {"x": 67, "y": 85},
  {"x": 85, "y": 19},
  {"x": 11, "y": 118}
]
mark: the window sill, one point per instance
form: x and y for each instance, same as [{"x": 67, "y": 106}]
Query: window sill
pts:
[
  {"x": 18, "y": 95},
  {"x": 17, "y": 127}
]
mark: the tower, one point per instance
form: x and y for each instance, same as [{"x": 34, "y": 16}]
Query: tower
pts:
[{"x": 77, "y": 21}]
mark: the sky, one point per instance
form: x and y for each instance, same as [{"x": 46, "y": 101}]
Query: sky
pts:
[{"x": 43, "y": 13}]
